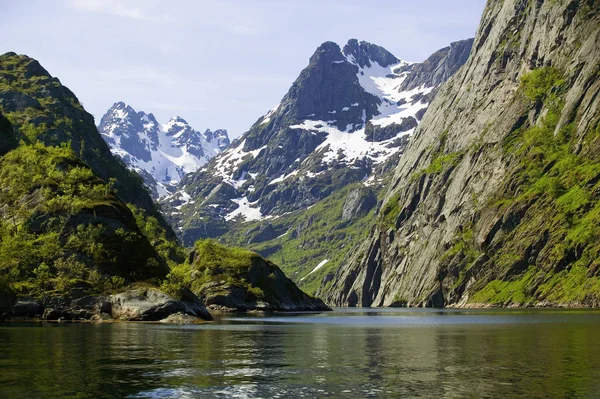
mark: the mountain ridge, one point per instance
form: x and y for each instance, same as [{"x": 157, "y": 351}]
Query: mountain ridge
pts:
[{"x": 161, "y": 154}]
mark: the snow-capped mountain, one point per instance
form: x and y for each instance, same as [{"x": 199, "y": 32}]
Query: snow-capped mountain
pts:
[
  {"x": 161, "y": 154},
  {"x": 349, "y": 113}
]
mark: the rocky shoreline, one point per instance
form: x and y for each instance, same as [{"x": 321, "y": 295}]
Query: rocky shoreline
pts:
[
  {"x": 139, "y": 304},
  {"x": 135, "y": 304}
]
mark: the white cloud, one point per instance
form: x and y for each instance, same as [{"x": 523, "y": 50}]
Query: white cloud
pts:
[{"x": 122, "y": 8}]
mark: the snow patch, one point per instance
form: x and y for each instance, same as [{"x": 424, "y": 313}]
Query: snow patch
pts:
[
  {"x": 245, "y": 209},
  {"x": 320, "y": 265}
]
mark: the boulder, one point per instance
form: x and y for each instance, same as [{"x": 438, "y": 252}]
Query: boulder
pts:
[
  {"x": 181, "y": 318},
  {"x": 151, "y": 304}
]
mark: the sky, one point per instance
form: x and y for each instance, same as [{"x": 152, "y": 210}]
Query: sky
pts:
[{"x": 217, "y": 64}]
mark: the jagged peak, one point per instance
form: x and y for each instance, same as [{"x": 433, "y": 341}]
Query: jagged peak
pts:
[
  {"x": 121, "y": 106},
  {"x": 327, "y": 51},
  {"x": 364, "y": 53},
  {"x": 122, "y": 110},
  {"x": 177, "y": 119}
]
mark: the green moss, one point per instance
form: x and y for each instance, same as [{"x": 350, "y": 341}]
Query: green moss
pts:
[
  {"x": 574, "y": 199},
  {"x": 441, "y": 160},
  {"x": 507, "y": 292}
]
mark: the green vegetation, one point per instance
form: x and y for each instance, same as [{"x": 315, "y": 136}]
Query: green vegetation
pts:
[
  {"x": 42, "y": 110},
  {"x": 62, "y": 228},
  {"x": 309, "y": 237},
  {"x": 216, "y": 269},
  {"x": 538, "y": 84},
  {"x": 390, "y": 211},
  {"x": 441, "y": 160}
]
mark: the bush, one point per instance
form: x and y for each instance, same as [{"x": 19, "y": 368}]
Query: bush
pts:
[{"x": 538, "y": 83}]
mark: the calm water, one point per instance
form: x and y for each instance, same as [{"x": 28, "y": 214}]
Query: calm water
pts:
[{"x": 346, "y": 353}]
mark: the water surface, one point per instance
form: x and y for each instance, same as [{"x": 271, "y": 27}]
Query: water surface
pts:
[{"x": 345, "y": 353}]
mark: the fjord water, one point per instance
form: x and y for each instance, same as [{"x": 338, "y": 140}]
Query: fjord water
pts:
[{"x": 345, "y": 353}]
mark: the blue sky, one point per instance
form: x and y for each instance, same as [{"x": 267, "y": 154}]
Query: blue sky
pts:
[{"x": 217, "y": 64}]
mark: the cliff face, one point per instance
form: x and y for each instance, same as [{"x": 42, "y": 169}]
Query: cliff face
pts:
[{"x": 496, "y": 199}]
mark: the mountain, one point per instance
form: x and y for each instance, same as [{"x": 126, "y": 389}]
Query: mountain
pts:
[
  {"x": 72, "y": 217},
  {"x": 346, "y": 118},
  {"x": 161, "y": 154},
  {"x": 496, "y": 200},
  {"x": 41, "y": 109}
]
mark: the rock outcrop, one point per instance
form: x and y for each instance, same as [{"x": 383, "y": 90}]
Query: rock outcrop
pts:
[
  {"x": 150, "y": 304},
  {"x": 233, "y": 279},
  {"x": 133, "y": 304}
]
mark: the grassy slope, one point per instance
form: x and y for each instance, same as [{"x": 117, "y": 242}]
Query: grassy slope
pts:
[{"x": 322, "y": 235}]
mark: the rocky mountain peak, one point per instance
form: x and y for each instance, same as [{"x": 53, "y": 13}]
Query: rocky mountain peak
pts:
[
  {"x": 221, "y": 137},
  {"x": 365, "y": 53},
  {"x": 162, "y": 154},
  {"x": 342, "y": 118}
]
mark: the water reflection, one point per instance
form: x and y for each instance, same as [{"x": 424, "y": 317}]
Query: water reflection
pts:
[{"x": 349, "y": 353}]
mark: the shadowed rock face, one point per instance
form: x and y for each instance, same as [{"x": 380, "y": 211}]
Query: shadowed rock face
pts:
[
  {"x": 469, "y": 223},
  {"x": 8, "y": 141}
]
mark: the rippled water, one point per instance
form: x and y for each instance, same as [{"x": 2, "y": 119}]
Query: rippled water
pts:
[{"x": 346, "y": 353}]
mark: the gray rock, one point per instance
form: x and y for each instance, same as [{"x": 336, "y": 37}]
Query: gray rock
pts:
[
  {"x": 182, "y": 318},
  {"x": 358, "y": 202},
  {"x": 150, "y": 304}
]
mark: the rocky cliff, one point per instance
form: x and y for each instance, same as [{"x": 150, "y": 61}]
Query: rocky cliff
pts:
[{"x": 496, "y": 199}]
